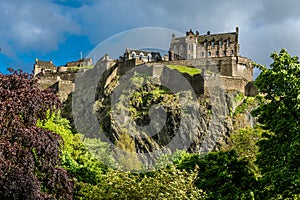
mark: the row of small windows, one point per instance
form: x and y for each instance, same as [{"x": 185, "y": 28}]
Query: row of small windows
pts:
[
  {"x": 205, "y": 44},
  {"x": 213, "y": 43},
  {"x": 141, "y": 55},
  {"x": 209, "y": 53},
  {"x": 133, "y": 54}
]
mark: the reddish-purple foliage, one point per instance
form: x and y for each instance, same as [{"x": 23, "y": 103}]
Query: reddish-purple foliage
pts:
[{"x": 29, "y": 156}]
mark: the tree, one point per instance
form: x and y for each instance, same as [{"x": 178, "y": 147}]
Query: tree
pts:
[
  {"x": 244, "y": 142},
  {"x": 84, "y": 158},
  {"x": 166, "y": 183},
  {"x": 222, "y": 175},
  {"x": 279, "y": 154},
  {"x": 29, "y": 156}
]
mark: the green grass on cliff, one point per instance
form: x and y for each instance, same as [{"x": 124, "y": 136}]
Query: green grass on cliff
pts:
[
  {"x": 185, "y": 69},
  {"x": 83, "y": 67}
]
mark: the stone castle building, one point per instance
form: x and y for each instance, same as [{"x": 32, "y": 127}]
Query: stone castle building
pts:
[
  {"x": 195, "y": 46},
  {"x": 213, "y": 54},
  {"x": 43, "y": 67},
  {"x": 60, "y": 78},
  {"x": 216, "y": 53}
]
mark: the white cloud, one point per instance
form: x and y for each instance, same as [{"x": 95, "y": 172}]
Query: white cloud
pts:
[
  {"x": 265, "y": 26},
  {"x": 34, "y": 25}
]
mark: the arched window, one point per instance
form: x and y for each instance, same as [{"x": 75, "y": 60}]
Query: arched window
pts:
[
  {"x": 149, "y": 56},
  {"x": 209, "y": 53},
  {"x": 133, "y": 54},
  {"x": 220, "y": 43},
  {"x": 141, "y": 55},
  {"x": 212, "y": 44},
  {"x": 205, "y": 44}
]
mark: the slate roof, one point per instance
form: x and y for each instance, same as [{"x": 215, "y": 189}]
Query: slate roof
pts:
[{"x": 45, "y": 64}]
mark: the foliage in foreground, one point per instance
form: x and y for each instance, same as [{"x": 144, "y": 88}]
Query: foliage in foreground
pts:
[
  {"x": 279, "y": 155},
  {"x": 93, "y": 180},
  {"x": 29, "y": 156},
  {"x": 167, "y": 183},
  {"x": 77, "y": 157},
  {"x": 221, "y": 175}
]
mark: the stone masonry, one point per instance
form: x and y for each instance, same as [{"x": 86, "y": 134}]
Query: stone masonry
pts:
[{"x": 217, "y": 55}]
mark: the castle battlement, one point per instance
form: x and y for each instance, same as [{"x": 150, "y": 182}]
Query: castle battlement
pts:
[{"x": 212, "y": 53}]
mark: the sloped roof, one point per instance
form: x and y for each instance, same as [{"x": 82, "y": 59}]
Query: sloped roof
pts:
[
  {"x": 218, "y": 37},
  {"x": 45, "y": 64}
]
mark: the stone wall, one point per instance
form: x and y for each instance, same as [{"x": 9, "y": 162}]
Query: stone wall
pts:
[
  {"x": 48, "y": 81},
  {"x": 65, "y": 88},
  {"x": 233, "y": 83},
  {"x": 225, "y": 66}
]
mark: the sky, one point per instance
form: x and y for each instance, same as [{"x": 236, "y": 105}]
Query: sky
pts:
[{"x": 61, "y": 29}]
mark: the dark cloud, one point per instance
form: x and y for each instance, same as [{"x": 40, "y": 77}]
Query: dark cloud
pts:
[{"x": 277, "y": 11}]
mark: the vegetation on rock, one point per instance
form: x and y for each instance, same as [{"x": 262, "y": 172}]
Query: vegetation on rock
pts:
[{"x": 41, "y": 158}]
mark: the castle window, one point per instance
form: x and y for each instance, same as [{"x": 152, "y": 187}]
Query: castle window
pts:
[
  {"x": 232, "y": 52},
  {"x": 212, "y": 44},
  {"x": 205, "y": 44},
  {"x": 220, "y": 43},
  {"x": 141, "y": 55},
  {"x": 217, "y": 53},
  {"x": 228, "y": 42},
  {"x": 133, "y": 54},
  {"x": 202, "y": 54},
  {"x": 224, "y": 53},
  {"x": 209, "y": 53},
  {"x": 149, "y": 56}
]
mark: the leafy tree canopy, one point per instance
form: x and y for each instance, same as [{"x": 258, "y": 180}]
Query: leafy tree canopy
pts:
[
  {"x": 279, "y": 152},
  {"x": 29, "y": 156}
]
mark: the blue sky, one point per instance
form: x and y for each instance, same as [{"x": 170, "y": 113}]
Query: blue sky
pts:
[{"x": 61, "y": 29}]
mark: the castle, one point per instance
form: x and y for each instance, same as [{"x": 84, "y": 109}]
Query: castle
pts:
[
  {"x": 212, "y": 53},
  {"x": 60, "y": 78}
]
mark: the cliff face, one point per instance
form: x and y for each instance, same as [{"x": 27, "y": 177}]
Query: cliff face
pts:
[{"x": 152, "y": 110}]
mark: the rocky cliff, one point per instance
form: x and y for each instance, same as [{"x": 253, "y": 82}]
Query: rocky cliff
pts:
[{"x": 150, "y": 110}]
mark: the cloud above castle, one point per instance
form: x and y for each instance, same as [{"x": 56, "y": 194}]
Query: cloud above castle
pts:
[{"x": 61, "y": 28}]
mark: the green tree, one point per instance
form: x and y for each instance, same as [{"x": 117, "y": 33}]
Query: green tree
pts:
[
  {"x": 244, "y": 142},
  {"x": 166, "y": 183},
  {"x": 279, "y": 156},
  {"x": 83, "y": 157},
  {"x": 222, "y": 175}
]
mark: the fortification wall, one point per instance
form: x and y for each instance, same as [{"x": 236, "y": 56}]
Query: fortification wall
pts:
[
  {"x": 243, "y": 68},
  {"x": 48, "y": 81},
  {"x": 68, "y": 76},
  {"x": 233, "y": 83},
  {"x": 65, "y": 88}
]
